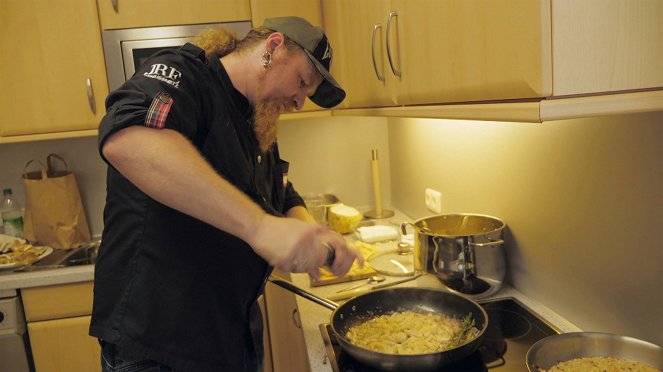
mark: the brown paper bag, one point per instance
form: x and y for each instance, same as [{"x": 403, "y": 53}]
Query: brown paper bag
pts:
[{"x": 54, "y": 214}]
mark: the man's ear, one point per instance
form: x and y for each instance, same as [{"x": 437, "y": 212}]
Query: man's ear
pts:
[{"x": 275, "y": 41}]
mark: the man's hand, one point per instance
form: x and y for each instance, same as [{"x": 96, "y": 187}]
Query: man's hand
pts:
[{"x": 296, "y": 246}]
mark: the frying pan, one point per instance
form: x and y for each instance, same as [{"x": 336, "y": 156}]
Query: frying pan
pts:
[{"x": 384, "y": 301}]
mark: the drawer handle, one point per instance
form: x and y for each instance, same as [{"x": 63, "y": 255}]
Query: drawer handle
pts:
[
  {"x": 114, "y": 3},
  {"x": 376, "y": 27},
  {"x": 90, "y": 96},
  {"x": 392, "y": 15},
  {"x": 295, "y": 318}
]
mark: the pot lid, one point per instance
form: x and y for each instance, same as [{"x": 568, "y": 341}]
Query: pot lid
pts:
[{"x": 397, "y": 262}]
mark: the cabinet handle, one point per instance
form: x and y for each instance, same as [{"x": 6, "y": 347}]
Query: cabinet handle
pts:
[
  {"x": 90, "y": 96},
  {"x": 392, "y": 14},
  {"x": 376, "y": 27},
  {"x": 114, "y": 3},
  {"x": 295, "y": 318}
]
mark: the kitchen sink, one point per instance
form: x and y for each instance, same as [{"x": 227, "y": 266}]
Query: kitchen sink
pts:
[
  {"x": 86, "y": 255},
  {"x": 81, "y": 256}
]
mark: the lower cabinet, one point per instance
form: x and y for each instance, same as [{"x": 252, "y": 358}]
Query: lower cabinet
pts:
[
  {"x": 287, "y": 344},
  {"x": 64, "y": 345},
  {"x": 58, "y": 320}
]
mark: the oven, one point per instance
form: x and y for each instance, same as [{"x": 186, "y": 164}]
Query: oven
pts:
[
  {"x": 126, "y": 49},
  {"x": 512, "y": 329},
  {"x": 14, "y": 344}
]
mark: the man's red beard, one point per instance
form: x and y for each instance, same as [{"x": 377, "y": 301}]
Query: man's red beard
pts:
[{"x": 265, "y": 114}]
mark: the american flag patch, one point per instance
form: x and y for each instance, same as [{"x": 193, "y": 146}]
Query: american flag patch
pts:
[{"x": 158, "y": 111}]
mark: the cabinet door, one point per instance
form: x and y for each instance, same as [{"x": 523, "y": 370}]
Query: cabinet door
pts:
[
  {"x": 606, "y": 45},
  {"x": 287, "y": 340},
  {"x": 459, "y": 50},
  {"x": 116, "y": 14},
  {"x": 64, "y": 345},
  {"x": 358, "y": 33},
  {"x": 51, "y": 50}
]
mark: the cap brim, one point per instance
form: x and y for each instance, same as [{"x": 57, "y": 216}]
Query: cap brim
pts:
[{"x": 329, "y": 93}]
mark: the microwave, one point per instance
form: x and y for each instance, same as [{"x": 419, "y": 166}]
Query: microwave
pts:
[{"x": 126, "y": 49}]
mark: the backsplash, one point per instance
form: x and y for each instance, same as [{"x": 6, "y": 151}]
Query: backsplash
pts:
[
  {"x": 82, "y": 158},
  {"x": 583, "y": 201}
]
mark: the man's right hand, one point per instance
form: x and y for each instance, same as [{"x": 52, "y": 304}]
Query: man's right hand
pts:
[{"x": 296, "y": 246}]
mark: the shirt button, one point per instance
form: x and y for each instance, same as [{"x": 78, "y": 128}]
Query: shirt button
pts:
[{"x": 259, "y": 159}]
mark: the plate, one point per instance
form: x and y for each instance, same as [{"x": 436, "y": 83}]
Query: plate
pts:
[{"x": 48, "y": 251}]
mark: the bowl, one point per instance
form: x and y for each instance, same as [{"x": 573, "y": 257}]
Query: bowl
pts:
[{"x": 551, "y": 350}]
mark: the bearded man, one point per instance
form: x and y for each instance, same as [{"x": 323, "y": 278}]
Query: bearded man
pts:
[{"x": 199, "y": 209}]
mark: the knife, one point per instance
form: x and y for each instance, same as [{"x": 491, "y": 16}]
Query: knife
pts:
[{"x": 358, "y": 291}]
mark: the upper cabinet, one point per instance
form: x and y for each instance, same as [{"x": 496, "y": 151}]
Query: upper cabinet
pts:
[
  {"x": 432, "y": 51},
  {"x": 606, "y": 45},
  {"x": 357, "y": 31},
  {"x": 307, "y": 9},
  {"x": 53, "y": 75},
  {"x": 116, "y": 14},
  {"x": 425, "y": 52}
]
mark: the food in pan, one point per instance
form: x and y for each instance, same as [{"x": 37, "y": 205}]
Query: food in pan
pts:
[
  {"x": 409, "y": 332},
  {"x": 600, "y": 364},
  {"x": 21, "y": 253}
]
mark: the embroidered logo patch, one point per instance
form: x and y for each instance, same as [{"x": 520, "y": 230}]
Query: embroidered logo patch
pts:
[
  {"x": 164, "y": 73},
  {"x": 158, "y": 111}
]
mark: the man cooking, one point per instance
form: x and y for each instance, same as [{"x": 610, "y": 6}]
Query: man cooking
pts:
[{"x": 199, "y": 208}]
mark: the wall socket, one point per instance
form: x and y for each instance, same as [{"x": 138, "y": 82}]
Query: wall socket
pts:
[{"x": 434, "y": 200}]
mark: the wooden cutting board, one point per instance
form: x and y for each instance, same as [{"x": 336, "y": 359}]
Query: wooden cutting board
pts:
[{"x": 356, "y": 272}]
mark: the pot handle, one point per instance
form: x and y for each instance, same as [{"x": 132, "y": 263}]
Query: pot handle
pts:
[
  {"x": 331, "y": 305},
  {"x": 487, "y": 244}
]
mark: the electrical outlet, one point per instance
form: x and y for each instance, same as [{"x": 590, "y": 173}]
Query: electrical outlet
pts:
[{"x": 434, "y": 200}]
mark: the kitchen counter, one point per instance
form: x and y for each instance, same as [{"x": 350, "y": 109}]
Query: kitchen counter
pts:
[{"x": 39, "y": 278}]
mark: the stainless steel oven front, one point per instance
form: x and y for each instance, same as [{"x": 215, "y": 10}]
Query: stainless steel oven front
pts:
[{"x": 126, "y": 49}]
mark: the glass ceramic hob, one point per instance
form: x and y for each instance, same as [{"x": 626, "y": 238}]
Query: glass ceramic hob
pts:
[{"x": 512, "y": 329}]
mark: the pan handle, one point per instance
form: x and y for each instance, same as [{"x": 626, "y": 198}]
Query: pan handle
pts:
[{"x": 331, "y": 305}]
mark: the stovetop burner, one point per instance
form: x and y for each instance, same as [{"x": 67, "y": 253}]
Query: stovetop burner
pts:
[{"x": 512, "y": 329}]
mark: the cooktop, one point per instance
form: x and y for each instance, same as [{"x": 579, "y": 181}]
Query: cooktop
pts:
[{"x": 512, "y": 329}]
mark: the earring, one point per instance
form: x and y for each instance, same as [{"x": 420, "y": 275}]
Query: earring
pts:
[{"x": 266, "y": 59}]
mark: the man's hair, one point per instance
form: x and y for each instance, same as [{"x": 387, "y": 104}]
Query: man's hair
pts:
[{"x": 222, "y": 42}]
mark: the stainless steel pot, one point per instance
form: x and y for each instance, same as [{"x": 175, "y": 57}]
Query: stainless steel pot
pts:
[
  {"x": 566, "y": 346},
  {"x": 384, "y": 301},
  {"x": 464, "y": 251}
]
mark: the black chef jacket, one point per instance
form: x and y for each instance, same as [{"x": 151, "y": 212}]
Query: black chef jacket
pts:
[{"x": 169, "y": 287}]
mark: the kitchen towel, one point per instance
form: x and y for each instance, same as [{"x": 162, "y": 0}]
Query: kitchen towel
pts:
[
  {"x": 54, "y": 214},
  {"x": 371, "y": 234}
]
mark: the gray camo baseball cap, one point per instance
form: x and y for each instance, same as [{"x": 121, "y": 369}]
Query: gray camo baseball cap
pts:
[{"x": 318, "y": 49}]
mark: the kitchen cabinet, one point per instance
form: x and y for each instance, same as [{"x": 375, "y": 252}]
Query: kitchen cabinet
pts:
[
  {"x": 311, "y": 10},
  {"x": 53, "y": 74},
  {"x": 288, "y": 347},
  {"x": 358, "y": 34},
  {"x": 117, "y": 14},
  {"x": 432, "y": 51},
  {"x": 528, "y": 60},
  {"x": 58, "y": 320}
]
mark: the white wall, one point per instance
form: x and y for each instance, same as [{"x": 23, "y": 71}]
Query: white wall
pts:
[
  {"x": 583, "y": 200},
  {"x": 333, "y": 155}
]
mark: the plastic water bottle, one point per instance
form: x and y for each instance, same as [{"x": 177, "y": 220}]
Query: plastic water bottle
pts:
[{"x": 12, "y": 215}]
